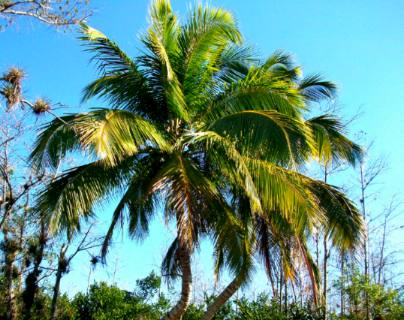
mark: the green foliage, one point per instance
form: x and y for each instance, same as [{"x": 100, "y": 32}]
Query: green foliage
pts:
[
  {"x": 384, "y": 303},
  {"x": 104, "y": 302}
]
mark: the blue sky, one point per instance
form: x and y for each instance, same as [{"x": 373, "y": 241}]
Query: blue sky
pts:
[{"x": 357, "y": 44}]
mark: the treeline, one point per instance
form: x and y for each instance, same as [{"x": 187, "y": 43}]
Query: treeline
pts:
[{"x": 146, "y": 301}]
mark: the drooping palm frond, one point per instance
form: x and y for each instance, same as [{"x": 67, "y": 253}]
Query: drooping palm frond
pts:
[
  {"x": 311, "y": 266},
  {"x": 138, "y": 200},
  {"x": 283, "y": 192},
  {"x": 53, "y": 143},
  {"x": 107, "y": 55},
  {"x": 314, "y": 88},
  {"x": 170, "y": 268},
  {"x": 187, "y": 193},
  {"x": 73, "y": 195},
  {"x": 234, "y": 245},
  {"x": 267, "y": 134},
  {"x": 330, "y": 142},
  {"x": 234, "y": 63},
  {"x": 109, "y": 134},
  {"x": 225, "y": 160},
  {"x": 344, "y": 222}
]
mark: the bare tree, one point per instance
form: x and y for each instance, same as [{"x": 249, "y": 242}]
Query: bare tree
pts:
[
  {"x": 86, "y": 243},
  {"x": 53, "y": 12}
]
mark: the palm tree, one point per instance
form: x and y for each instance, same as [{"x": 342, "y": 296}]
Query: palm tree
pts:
[{"x": 191, "y": 119}]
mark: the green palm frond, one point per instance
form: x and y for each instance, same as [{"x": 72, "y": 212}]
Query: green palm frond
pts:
[
  {"x": 283, "y": 192},
  {"x": 54, "y": 141},
  {"x": 314, "y": 88},
  {"x": 202, "y": 40},
  {"x": 73, "y": 195},
  {"x": 267, "y": 134},
  {"x": 128, "y": 90},
  {"x": 161, "y": 41},
  {"x": 225, "y": 159},
  {"x": 138, "y": 200},
  {"x": 279, "y": 59},
  {"x": 110, "y": 134},
  {"x": 233, "y": 249},
  {"x": 115, "y": 134},
  {"x": 331, "y": 144},
  {"x": 257, "y": 90},
  {"x": 234, "y": 63},
  {"x": 109, "y": 58},
  {"x": 280, "y": 65},
  {"x": 122, "y": 83},
  {"x": 344, "y": 222}
]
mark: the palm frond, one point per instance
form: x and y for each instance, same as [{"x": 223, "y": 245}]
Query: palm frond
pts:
[
  {"x": 314, "y": 88},
  {"x": 161, "y": 41},
  {"x": 235, "y": 62},
  {"x": 267, "y": 134},
  {"x": 283, "y": 192},
  {"x": 202, "y": 40},
  {"x": 73, "y": 195},
  {"x": 330, "y": 142},
  {"x": 170, "y": 268},
  {"x": 138, "y": 200},
  {"x": 225, "y": 159},
  {"x": 344, "y": 222},
  {"x": 187, "y": 193},
  {"x": 107, "y": 55},
  {"x": 54, "y": 141}
]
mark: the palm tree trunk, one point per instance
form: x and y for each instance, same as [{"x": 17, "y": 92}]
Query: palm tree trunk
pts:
[
  {"x": 222, "y": 298},
  {"x": 179, "y": 309}
]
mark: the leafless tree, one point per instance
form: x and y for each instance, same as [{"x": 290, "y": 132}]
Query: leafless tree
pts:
[{"x": 59, "y": 13}]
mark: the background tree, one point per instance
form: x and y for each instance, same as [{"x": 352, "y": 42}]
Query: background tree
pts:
[{"x": 60, "y": 13}]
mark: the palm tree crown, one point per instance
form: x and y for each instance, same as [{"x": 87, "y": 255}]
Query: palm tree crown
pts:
[{"x": 194, "y": 122}]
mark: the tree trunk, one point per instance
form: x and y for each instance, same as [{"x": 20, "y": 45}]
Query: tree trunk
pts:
[
  {"x": 325, "y": 275},
  {"x": 56, "y": 288},
  {"x": 222, "y": 298},
  {"x": 179, "y": 309},
  {"x": 31, "y": 286},
  {"x": 342, "y": 293},
  {"x": 10, "y": 254},
  {"x": 365, "y": 244},
  {"x": 21, "y": 235}
]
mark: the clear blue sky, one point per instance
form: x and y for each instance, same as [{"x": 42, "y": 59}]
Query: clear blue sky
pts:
[{"x": 357, "y": 44}]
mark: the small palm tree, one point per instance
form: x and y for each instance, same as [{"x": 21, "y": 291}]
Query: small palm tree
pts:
[{"x": 193, "y": 120}]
